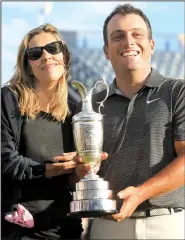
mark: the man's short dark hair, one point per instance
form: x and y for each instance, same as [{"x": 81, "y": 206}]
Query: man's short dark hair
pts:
[{"x": 125, "y": 10}]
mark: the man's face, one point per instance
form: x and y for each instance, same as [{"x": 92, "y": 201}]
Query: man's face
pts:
[{"x": 129, "y": 46}]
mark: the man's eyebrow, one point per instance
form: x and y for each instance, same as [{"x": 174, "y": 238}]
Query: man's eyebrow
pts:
[
  {"x": 122, "y": 31},
  {"x": 117, "y": 31},
  {"x": 138, "y": 29}
]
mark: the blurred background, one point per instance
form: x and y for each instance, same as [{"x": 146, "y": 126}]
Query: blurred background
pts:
[{"x": 81, "y": 25}]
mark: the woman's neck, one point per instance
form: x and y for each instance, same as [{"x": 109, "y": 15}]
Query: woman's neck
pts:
[
  {"x": 46, "y": 89},
  {"x": 45, "y": 94}
]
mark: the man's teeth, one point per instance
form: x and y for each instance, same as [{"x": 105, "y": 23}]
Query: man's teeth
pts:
[{"x": 131, "y": 53}]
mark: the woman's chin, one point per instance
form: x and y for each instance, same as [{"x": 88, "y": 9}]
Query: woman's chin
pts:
[{"x": 52, "y": 78}]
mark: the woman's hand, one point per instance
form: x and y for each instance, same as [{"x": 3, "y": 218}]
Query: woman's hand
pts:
[{"x": 63, "y": 164}]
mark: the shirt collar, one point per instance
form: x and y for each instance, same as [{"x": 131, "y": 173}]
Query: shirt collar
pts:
[
  {"x": 153, "y": 80},
  {"x": 113, "y": 89}
]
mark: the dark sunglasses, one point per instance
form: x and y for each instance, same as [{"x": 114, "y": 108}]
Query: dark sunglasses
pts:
[{"x": 52, "y": 48}]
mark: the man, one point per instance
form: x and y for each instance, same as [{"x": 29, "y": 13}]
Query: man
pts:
[{"x": 144, "y": 135}]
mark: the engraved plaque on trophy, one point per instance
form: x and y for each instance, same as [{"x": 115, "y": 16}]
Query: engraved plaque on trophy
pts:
[{"x": 92, "y": 197}]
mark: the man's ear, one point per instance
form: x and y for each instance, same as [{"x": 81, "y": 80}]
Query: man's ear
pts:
[
  {"x": 105, "y": 49},
  {"x": 152, "y": 43}
]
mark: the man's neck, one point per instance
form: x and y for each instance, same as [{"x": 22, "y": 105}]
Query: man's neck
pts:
[{"x": 131, "y": 82}]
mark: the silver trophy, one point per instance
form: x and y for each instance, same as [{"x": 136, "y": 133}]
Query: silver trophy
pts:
[{"x": 92, "y": 197}]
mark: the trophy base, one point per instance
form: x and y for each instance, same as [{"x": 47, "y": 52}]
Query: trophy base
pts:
[
  {"x": 92, "y": 198},
  {"x": 92, "y": 214}
]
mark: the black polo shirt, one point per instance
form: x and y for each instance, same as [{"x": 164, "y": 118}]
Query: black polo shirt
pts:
[{"x": 139, "y": 135}]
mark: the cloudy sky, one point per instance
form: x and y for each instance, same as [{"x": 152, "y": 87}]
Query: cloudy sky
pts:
[{"x": 167, "y": 18}]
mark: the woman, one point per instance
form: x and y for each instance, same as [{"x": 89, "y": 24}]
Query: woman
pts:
[{"x": 36, "y": 131}]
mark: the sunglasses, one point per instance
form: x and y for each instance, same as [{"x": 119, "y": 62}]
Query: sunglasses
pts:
[{"x": 52, "y": 48}]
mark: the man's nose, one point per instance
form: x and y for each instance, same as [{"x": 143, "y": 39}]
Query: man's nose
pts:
[{"x": 128, "y": 40}]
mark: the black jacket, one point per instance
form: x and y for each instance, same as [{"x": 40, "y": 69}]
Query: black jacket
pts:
[{"x": 17, "y": 169}]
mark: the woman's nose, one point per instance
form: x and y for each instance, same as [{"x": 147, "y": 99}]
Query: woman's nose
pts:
[{"x": 46, "y": 55}]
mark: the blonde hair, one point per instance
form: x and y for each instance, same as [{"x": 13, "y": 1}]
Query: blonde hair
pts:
[{"x": 22, "y": 82}]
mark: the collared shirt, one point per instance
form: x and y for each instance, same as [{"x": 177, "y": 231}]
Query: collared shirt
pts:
[
  {"x": 152, "y": 81},
  {"x": 113, "y": 89},
  {"x": 139, "y": 135}
]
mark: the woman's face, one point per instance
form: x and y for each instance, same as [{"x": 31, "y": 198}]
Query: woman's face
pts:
[{"x": 48, "y": 68}]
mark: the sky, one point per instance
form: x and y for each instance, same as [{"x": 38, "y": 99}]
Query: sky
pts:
[{"x": 167, "y": 19}]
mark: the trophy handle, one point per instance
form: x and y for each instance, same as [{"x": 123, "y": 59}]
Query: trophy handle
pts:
[
  {"x": 81, "y": 89},
  {"x": 103, "y": 82}
]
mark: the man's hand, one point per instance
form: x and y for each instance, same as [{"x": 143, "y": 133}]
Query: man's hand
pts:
[
  {"x": 83, "y": 169},
  {"x": 131, "y": 199},
  {"x": 63, "y": 164}
]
